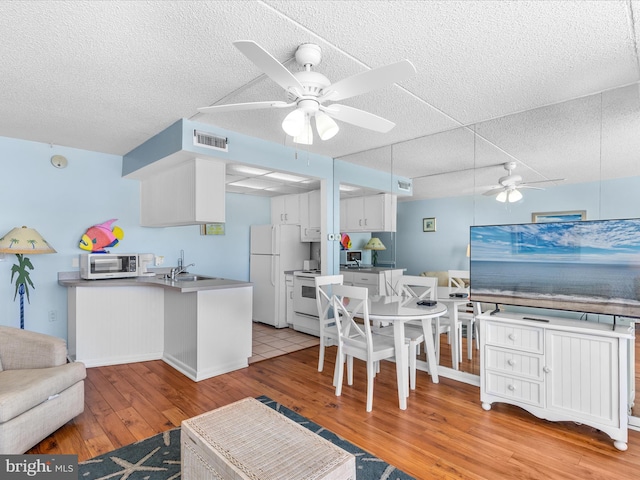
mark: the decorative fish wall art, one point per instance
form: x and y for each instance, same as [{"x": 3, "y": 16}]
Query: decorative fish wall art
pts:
[{"x": 100, "y": 237}]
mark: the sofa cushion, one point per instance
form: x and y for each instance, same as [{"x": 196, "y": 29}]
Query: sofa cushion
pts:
[
  {"x": 21, "y": 390},
  {"x": 26, "y": 349}
]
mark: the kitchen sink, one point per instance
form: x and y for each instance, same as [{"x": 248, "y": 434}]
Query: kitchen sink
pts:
[{"x": 188, "y": 277}]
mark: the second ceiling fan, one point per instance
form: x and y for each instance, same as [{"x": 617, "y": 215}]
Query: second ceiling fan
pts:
[
  {"x": 509, "y": 186},
  {"x": 308, "y": 91}
]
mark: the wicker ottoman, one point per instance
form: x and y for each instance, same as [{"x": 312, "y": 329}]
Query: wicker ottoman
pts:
[{"x": 248, "y": 440}]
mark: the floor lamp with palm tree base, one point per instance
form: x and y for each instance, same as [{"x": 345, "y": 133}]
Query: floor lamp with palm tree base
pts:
[{"x": 23, "y": 241}]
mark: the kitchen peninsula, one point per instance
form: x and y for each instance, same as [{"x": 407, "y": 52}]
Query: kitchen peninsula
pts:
[{"x": 199, "y": 325}]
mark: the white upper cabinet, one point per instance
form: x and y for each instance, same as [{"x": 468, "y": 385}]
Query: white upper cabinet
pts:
[
  {"x": 310, "y": 216},
  {"x": 373, "y": 213},
  {"x": 190, "y": 193},
  {"x": 285, "y": 209}
]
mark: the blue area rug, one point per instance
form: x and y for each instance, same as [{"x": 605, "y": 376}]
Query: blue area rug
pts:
[{"x": 158, "y": 457}]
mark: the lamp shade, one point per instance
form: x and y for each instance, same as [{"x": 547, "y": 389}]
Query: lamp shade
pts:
[
  {"x": 24, "y": 240},
  {"x": 514, "y": 196},
  {"x": 326, "y": 126},
  {"x": 305, "y": 137},
  {"x": 293, "y": 123},
  {"x": 374, "y": 244}
]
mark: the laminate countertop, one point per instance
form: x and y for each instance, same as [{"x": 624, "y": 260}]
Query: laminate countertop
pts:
[{"x": 203, "y": 282}]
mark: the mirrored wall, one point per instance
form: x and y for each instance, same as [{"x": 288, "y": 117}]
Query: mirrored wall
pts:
[{"x": 581, "y": 155}]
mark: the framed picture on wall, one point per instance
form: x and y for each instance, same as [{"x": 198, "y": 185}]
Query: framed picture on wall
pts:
[
  {"x": 212, "y": 229},
  {"x": 429, "y": 224},
  {"x": 570, "y": 216}
]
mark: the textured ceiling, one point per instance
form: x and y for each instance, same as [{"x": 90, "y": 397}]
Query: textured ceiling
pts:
[{"x": 551, "y": 85}]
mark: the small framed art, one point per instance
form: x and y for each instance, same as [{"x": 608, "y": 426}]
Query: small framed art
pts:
[
  {"x": 571, "y": 216},
  {"x": 429, "y": 224},
  {"x": 212, "y": 229}
]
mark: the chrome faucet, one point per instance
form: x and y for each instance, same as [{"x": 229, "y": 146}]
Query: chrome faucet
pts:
[{"x": 179, "y": 269}]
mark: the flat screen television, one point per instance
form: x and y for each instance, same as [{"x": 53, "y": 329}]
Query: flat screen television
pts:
[{"x": 584, "y": 266}]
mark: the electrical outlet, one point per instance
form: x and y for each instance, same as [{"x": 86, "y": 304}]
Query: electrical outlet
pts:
[
  {"x": 53, "y": 315},
  {"x": 75, "y": 262},
  {"x": 159, "y": 260}
]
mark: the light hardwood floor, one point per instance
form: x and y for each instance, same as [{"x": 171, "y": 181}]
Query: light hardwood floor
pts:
[{"x": 444, "y": 433}]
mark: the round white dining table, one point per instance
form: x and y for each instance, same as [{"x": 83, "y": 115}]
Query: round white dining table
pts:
[{"x": 398, "y": 310}]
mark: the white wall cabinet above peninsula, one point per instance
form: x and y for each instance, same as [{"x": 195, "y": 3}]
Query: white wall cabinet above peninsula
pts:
[
  {"x": 190, "y": 193},
  {"x": 373, "y": 213}
]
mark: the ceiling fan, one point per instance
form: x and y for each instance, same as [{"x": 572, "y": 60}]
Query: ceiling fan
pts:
[
  {"x": 509, "y": 186},
  {"x": 308, "y": 91}
]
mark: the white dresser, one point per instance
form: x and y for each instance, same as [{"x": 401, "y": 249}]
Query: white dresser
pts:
[{"x": 557, "y": 369}]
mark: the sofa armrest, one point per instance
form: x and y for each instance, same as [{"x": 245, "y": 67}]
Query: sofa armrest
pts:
[{"x": 25, "y": 349}]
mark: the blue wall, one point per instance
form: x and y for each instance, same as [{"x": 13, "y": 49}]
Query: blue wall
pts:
[
  {"x": 445, "y": 249},
  {"x": 62, "y": 204}
]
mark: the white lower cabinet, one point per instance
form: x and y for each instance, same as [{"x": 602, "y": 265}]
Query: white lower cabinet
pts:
[
  {"x": 557, "y": 369},
  {"x": 378, "y": 282}
]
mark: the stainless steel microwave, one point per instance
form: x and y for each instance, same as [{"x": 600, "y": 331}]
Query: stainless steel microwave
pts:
[{"x": 95, "y": 266}]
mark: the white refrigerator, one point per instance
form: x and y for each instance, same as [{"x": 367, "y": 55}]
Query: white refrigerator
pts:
[{"x": 275, "y": 249}]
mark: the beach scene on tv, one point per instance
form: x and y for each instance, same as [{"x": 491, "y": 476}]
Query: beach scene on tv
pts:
[{"x": 583, "y": 266}]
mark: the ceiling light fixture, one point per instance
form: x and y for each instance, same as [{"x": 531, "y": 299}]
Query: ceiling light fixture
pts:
[
  {"x": 305, "y": 137},
  {"x": 511, "y": 195},
  {"x": 326, "y": 126}
]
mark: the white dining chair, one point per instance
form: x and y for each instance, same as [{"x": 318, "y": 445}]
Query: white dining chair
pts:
[
  {"x": 355, "y": 339},
  {"x": 328, "y": 330},
  {"x": 423, "y": 288}
]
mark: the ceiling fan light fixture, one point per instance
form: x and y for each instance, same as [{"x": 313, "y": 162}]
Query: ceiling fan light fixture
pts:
[
  {"x": 305, "y": 137},
  {"x": 502, "y": 197},
  {"x": 294, "y": 123},
  {"x": 515, "y": 195},
  {"x": 326, "y": 126}
]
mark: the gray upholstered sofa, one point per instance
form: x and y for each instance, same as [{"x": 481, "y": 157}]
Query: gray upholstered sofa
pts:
[{"x": 39, "y": 390}]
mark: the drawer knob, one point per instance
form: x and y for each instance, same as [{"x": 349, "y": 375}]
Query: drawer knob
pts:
[
  {"x": 512, "y": 336},
  {"x": 511, "y": 362},
  {"x": 512, "y": 387}
]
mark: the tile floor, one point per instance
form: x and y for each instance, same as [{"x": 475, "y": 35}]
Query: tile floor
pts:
[{"x": 271, "y": 342}]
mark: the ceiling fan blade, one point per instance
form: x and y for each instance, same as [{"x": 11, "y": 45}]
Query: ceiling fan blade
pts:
[
  {"x": 357, "y": 117},
  {"x": 525, "y": 185},
  {"x": 370, "y": 80},
  {"x": 546, "y": 181},
  {"x": 234, "y": 107},
  {"x": 493, "y": 191},
  {"x": 269, "y": 65}
]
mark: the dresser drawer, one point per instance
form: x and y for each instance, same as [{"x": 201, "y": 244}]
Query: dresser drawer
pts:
[
  {"x": 513, "y": 362},
  {"x": 365, "y": 279},
  {"x": 516, "y": 389},
  {"x": 529, "y": 339}
]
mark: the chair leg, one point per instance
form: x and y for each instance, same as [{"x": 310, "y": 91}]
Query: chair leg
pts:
[
  {"x": 370, "y": 379},
  {"x": 349, "y": 370},
  {"x": 470, "y": 340},
  {"x": 413, "y": 360},
  {"x": 339, "y": 373},
  {"x": 321, "y": 356}
]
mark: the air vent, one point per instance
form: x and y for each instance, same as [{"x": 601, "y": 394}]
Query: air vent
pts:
[
  {"x": 210, "y": 141},
  {"x": 404, "y": 186}
]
